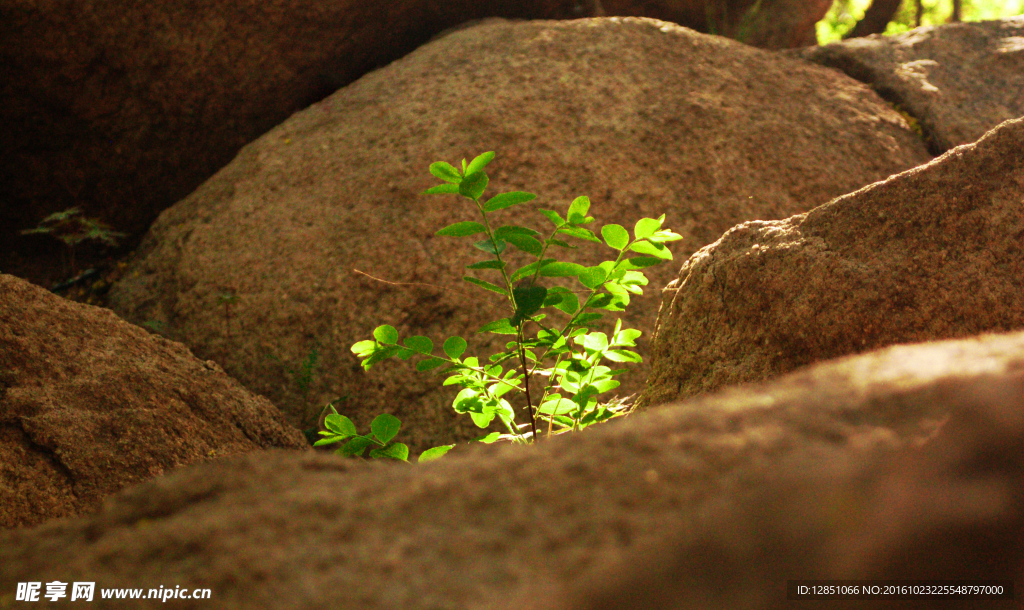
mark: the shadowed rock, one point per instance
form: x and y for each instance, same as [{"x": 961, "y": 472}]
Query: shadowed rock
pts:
[
  {"x": 957, "y": 80},
  {"x": 125, "y": 108},
  {"x": 642, "y": 116},
  {"x": 90, "y": 404},
  {"x": 934, "y": 253},
  {"x": 822, "y": 471}
]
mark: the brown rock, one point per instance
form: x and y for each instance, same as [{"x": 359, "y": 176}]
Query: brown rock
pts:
[
  {"x": 643, "y": 116},
  {"x": 953, "y": 510},
  {"x": 834, "y": 447},
  {"x": 933, "y": 253},
  {"x": 769, "y": 24},
  {"x": 125, "y": 108},
  {"x": 957, "y": 80},
  {"x": 90, "y": 404}
]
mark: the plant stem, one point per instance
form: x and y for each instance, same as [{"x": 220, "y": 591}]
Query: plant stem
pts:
[{"x": 526, "y": 382}]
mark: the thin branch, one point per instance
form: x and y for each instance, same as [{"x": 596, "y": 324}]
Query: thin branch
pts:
[{"x": 398, "y": 283}]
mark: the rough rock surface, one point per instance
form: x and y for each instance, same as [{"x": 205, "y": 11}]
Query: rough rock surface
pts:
[
  {"x": 769, "y": 24},
  {"x": 643, "y": 116},
  {"x": 508, "y": 527},
  {"x": 936, "y": 252},
  {"x": 90, "y": 404},
  {"x": 123, "y": 108},
  {"x": 957, "y": 80}
]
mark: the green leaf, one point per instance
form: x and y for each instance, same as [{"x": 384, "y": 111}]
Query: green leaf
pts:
[
  {"x": 329, "y": 440},
  {"x": 553, "y": 217},
  {"x": 385, "y": 334},
  {"x": 526, "y": 244},
  {"x": 615, "y": 236},
  {"x": 507, "y": 200},
  {"x": 557, "y": 269},
  {"x": 482, "y": 420},
  {"x": 498, "y": 327},
  {"x": 578, "y": 210},
  {"x": 641, "y": 262},
  {"x": 429, "y": 364},
  {"x": 394, "y": 451},
  {"x": 529, "y": 269},
  {"x": 444, "y": 171},
  {"x": 480, "y": 162},
  {"x": 454, "y": 347},
  {"x": 622, "y": 355},
  {"x": 461, "y": 229},
  {"x": 528, "y": 300},
  {"x": 557, "y": 406},
  {"x": 490, "y": 247},
  {"x": 486, "y": 285},
  {"x": 340, "y": 425},
  {"x": 421, "y": 345},
  {"x": 580, "y": 233},
  {"x": 442, "y": 189},
  {"x": 364, "y": 348},
  {"x": 592, "y": 277},
  {"x": 490, "y": 438},
  {"x": 382, "y": 354},
  {"x": 645, "y": 227},
  {"x": 561, "y": 244},
  {"x": 473, "y": 185},
  {"x": 385, "y": 427},
  {"x": 434, "y": 453},
  {"x": 562, "y": 299},
  {"x": 626, "y": 336},
  {"x": 468, "y": 400},
  {"x": 506, "y": 230},
  {"x": 657, "y": 250},
  {"x": 588, "y": 317},
  {"x": 664, "y": 236},
  {"x": 594, "y": 341},
  {"x": 488, "y": 264},
  {"x": 356, "y": 446}
]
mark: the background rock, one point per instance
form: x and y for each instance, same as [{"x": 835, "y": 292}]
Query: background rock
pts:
[
  {"x": 933, "y": 253},
  {"x": 90, "y": 404},
  {"x": 125, "y": 108},
  {"x": 643, "y": 116},
  {"x": 769, "y": 24},
  {"x": 518, "y": 527},
  {"x": 957, "y": 80}
]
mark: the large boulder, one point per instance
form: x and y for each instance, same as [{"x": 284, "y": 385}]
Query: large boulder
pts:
[
  {"x": 643, "y": 116},
  {"x": 836, "y": 449},
  {"x": 957, "y": 80},
  {"x": 123, "y": 108},
  {"x": 90, "y": 404},
  {"x": 933, "y": 253}
]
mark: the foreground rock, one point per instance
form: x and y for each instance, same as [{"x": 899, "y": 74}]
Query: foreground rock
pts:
[
  {"x": 958, "y": 80},
  {"x": 643, "y": 116},
  {"x": 520, "y": 527},
  {"x": 90, "y": 404},
  {"x": 149, "y": 99},
  {"x": 933, "y": 253}
]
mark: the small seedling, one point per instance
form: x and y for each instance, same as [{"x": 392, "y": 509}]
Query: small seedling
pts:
[
  {"x": 72, "y": 229},
  {"x": 227, "y": 299},
  {"x": 563, "y": 358}
]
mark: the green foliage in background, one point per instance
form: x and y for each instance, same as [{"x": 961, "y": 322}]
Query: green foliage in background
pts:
[
  {"x": 844, "y": 14},
  {"x": 553, "y": 362},
  {"x": 70, "y": 227}
]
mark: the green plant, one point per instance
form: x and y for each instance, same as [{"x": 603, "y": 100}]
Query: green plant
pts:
[
  {"x": 227, "y": 299},
  {"x": 71, "y": 228},
  {"x": 563, "y": 360},
  {"x": 383, "y": 428}
]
